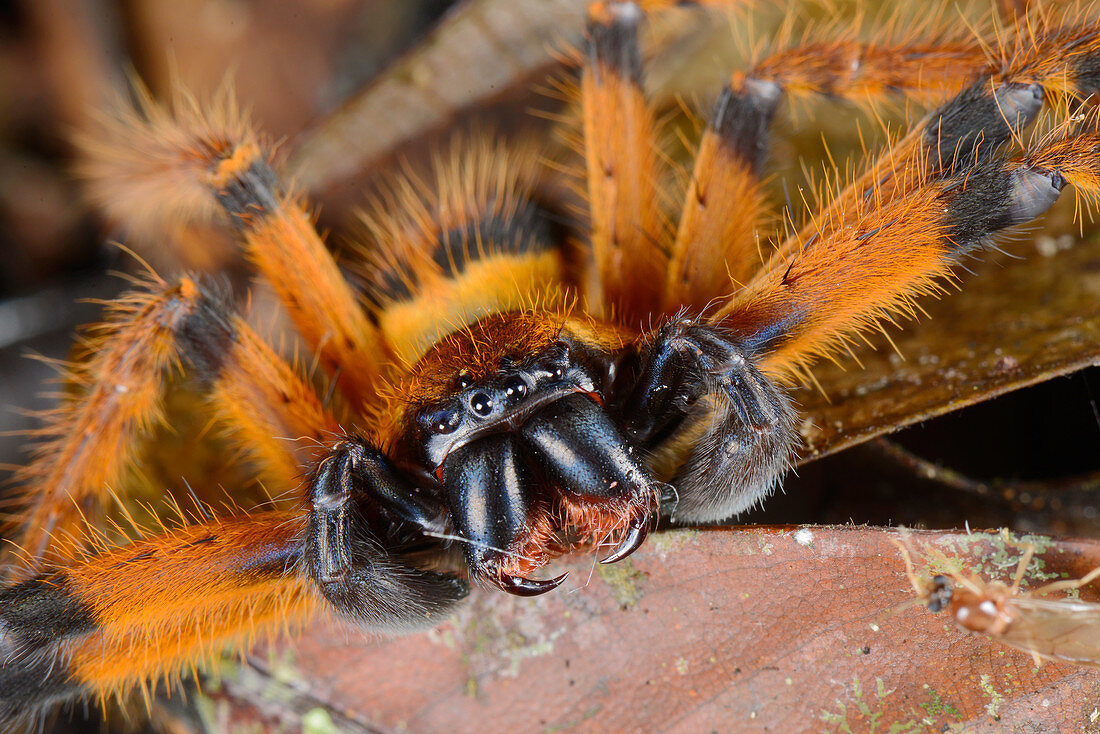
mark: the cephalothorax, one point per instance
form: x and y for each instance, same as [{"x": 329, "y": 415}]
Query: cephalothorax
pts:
[
  {"x": 518, "y": 376},
  {"x": 532, "y": 430}
]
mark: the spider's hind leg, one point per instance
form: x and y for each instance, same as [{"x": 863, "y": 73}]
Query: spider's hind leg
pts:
[
  {"x": 345, "y": 551},
  {"x": 695, "y": 380}
]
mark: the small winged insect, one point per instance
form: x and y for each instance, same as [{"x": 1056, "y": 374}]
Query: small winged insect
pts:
[{"x": 1037, "y": 621}]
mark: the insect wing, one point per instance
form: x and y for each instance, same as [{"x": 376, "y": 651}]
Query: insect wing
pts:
[{"x": 1063, "y": 629}]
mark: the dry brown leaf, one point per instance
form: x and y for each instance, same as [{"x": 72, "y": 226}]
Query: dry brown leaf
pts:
[
  {"x": 749, "y": 629},
  {"x": 1016, "y": 323}
]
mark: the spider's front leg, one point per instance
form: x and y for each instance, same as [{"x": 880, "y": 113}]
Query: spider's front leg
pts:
[
  {"x": 180, "y": 595},
  {"x": 696, "y": 380},
  {"x": 358, "y": 505}
]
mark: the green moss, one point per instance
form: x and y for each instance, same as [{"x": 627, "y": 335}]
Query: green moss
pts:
[
  {"x": 996, "y": 556},
  {"x": 671, "y": 540},
  {"x": 996, "y": 698},
  {"x": 937, "y": 707},
  {"x": 622, "y": 578},
  {"x": 318, "y": 721},
  {"x": 861, "y": 711}
]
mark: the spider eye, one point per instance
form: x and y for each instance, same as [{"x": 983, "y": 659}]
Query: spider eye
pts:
[
  {"x": 515, "y": 387},
  {"x": 481, "y": 404},
  {"x": 442, "y": 421},
  {"x": 558, "y": 351},
  {"x": 556, "y": 370},
  {"x": 464, "y": 380},
  {"x": 557, "y": 360}
]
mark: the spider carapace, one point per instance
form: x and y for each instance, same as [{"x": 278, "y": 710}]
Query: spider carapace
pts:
[
  {"x": 521, "y": 374},
  {"x": 535, "y": 426}
]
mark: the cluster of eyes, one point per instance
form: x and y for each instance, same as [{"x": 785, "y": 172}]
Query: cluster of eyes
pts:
[{"x": 481, "y": 403}]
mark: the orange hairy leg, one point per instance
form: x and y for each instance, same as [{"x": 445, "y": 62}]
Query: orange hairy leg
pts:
[
  {"x": 1076, "y": 157},
  {"x": 724, "y": 203},
  {"x": 946, "y": 137},
  {"x": 627, "y": 228},
  {"x": 851, "y": 275},
  {"x": 155, "y": 167},
  {"x": 113, "y": 617},
  {"x": 1061, "y": 54},
  {"x": 656, "y": 6},
  {"x": 90, "y": 440},
  {"x": 181, "y": 596},
  {"x": 270, "y": 410},
  {"x": 1045, "y": 61},
  {"x": 135, "y": 613},
  {"x": 926, "y": 202},
  {"x": 285, "y": 246},
  {"x": 252, "y": 389},
  {"x": 862, "y": 71},
  {"x": 870, "y": 265}
]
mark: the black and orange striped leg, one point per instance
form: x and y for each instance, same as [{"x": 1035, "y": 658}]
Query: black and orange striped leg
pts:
[
  {"x": 285, "y": 246},
  {"x": 88, "y": 443},
  {"x": 628, "y": 230},
  {"x": 180, "y": 596},
  {"x": 716, "y": 244},
  {"x": 975, "y": 121},
  {"x": 358, "y": 503},
  {"x": 694, "y": 370},
  {"x": 125, "y": 617},
  {"x": 1048, "y": 61},
  {"x": 863, "y": 72},
  {"x": 155, "y": 168},
  {"x": 266, "y": 405},
  {"x": 870, "y": 265}
]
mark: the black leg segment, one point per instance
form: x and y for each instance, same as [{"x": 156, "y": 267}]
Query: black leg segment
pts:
[
  {"x": 36, "y": 617},
  {"x": 695, "y": 378},
  {"x": 344, "y": 549}
]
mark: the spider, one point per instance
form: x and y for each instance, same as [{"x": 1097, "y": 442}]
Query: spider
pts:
[{"x": 516, "y": 380}]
